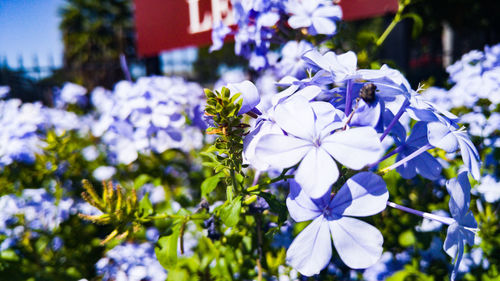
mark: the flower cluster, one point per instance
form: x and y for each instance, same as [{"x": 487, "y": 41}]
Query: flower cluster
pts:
[
  {"x": 152, "y": 114},
  {"x": 475, "y": 91},
  {"x": 131, "y": 262},
  {"x": 260, "y": 24},
  {"x": 36, "y": 208},
  {"x": 324, "y": 128},
  {"x": 20, "y": 139}
]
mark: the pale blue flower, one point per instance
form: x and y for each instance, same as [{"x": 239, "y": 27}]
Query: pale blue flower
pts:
[
  {"x": 219, "y": 32},
  {"x": 309, "y": 140},
  {"x": 291, "y": 62},
  {"x": 249, "y": 94},
  {"x": 104, "y": 173},
  {"x": 131, "y": 261},
  {"x": 316, "y": 15},
  {"x": 489, "y": 189},
  {"x": 4, "y": 90},
  {"x": 424, "y": 164},
  {"x": 449, "y": 139},
  {"x": 462, "y": 231},
  {"x": 358, "y": 244},
  {"x": 70, "y": 94}
]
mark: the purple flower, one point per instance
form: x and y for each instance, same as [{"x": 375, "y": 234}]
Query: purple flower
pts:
[
  {"x": 104, "y": 173},
  {"x": 424, "y": 164},
  {"x": 489, "y": 189},
  {"x": 449, "y": 139},
  {"x": 219, "y": 32},
  {"x": 71, "y": 94},
  {"x": 310, "y": 142},
  {"x": 249, "y": 94},
  {"x": 462, "y": 231},
  {"x": 4, "y": 90},
  {"x": 318, "y": 16},
  {"x": 358, "y": 244},
  {"x": 291, "y": 62}
]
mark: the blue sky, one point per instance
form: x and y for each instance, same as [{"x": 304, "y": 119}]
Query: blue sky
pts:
[{"x": 29, "y": 28}]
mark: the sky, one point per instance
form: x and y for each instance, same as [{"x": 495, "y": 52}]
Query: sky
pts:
[{"x": 29, "y": 28}]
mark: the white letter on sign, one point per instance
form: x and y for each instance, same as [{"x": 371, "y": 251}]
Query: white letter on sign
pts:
[
  {"x": 195, "y": 26},
  {"x": 221, "y": 11}
]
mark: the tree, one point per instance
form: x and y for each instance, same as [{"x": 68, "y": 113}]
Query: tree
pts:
[{"x": 95, "y": 33}]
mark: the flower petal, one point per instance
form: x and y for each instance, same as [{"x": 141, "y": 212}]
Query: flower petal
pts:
[
  {"x": 439, "y": 135},
  {"x": 249, "y": 94},
  {"x": 311, "y": 250},
  {"x": 459, "y": 190},
  {"x": 299, "y": 21},
  {"x": 300, "y": 206},
  {"x": 317, "y": 172},
  {"x": 364, "y": 194},
  {"x": 427, "y": 166},
  {"x": 454, "y": 247},
  {"x": 470, "y": 156},
  {"x": 296, "y": 117},
  {"x": 354, "y": 148},
  {"x": 328, "y": 11},
  {"x": 324, "y": 25},
  {"x": 358, "y": 243},
  {"x": 281, "y": 151}
]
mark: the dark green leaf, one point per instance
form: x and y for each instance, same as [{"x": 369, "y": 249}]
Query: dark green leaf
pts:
[
  {"x": 209, "y": 184},
  {"x": 276, "y": 206}
]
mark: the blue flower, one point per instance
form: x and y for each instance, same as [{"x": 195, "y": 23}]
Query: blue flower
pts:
[
  {"x": 70, "y": 94},
  {"x": 424, "y": 164},
  {"x": 131, "y": 261},
  {"x": 219, "y": 32},
  {"x": 104, "y": 173},
  {"x": 4, "y": 91},
  {"x": 358, "y": 244},
  {"x": 318, "y": 16},
  {"x": 309, "y": 140},
  {"x": 462, "y": 231},
  {"x": 249, "y": 94},
  {"x": 449, "y": 139},
  {"x": 489, "y": 189},
  {"x": 291, "y": 62}
]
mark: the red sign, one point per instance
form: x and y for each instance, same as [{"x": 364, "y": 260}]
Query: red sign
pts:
[{"x": 169, "y": 24}]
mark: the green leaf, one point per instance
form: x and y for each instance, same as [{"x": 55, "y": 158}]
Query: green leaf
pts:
[
  {"x": 230, "y": 212},
  {"x": 225, "y": 93},
  {"x": 166, "y": 250},
  {"x": 209, "y": 184},
  {"x": 145, "y": 206},
  {"x": 141, "y": 180},
  {"x": 276, "y": 206}
]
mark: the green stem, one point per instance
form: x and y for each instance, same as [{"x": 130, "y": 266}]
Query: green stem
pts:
[
  {"x": 167, "y": 216},
  {"x": 281, "y": 177},
  {"x": 395, "y": 21},
  {"x": 387, "y": 31}
]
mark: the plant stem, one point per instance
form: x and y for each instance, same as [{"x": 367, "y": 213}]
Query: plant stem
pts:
[
  {"x": 395, "y": 21},
  {"x": 407, "y": 158},
  {"x": 348, "y": 97},
  {"x": 443, "y": 220},
  {"x": 395, "y": 119}
]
